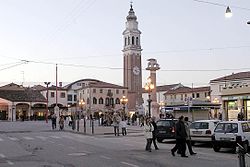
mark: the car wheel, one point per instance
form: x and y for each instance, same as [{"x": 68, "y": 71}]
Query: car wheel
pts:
[
  {"x": 216, "y": 148},
  {"x": 159, "y": 140}
]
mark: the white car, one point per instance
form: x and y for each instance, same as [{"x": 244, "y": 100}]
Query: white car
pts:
[
  {"x": 228, "y": 133},
  {"x": 202, "y": 130}
]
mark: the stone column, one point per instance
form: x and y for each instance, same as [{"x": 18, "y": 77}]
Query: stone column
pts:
[{"x": 153, "y": 66}]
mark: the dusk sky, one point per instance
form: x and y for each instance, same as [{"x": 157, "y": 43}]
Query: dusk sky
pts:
[{"x": 191, "y": 39}]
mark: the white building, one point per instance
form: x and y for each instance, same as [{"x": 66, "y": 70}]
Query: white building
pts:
[{"x": 233, "y": 93}]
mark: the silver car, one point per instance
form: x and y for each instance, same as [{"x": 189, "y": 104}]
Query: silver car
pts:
[{"x": 202, "y": 130}]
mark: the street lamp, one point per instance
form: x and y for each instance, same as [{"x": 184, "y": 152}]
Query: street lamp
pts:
[
  {"x": 149, "y": 86},
  {"x": 47, "y": 99},
  {"x": 81, "y": 104},
  {"x": 124, "y": 101}
]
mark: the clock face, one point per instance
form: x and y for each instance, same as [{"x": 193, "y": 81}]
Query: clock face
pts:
[{"x": 136, "y": 70}]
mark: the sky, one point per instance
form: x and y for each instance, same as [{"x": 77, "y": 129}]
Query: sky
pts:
[{"x": 192, "y": 40}]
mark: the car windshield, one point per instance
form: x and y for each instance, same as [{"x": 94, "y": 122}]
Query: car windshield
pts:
[
  {"x": 164, "y": 123},
  {"x": 226, "y": 128},
  {"x": 199, "y": 125}
]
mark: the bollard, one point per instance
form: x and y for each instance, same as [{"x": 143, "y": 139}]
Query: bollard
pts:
[
  {"x": 77, "y": 125},
  {"x": 241, "y": 155},
  {"x": 92, "y": 126},
  {"x": 84, "y": 125}
]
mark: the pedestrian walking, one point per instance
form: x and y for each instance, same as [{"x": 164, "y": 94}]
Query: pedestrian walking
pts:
[
  {"x": 53, "y": 120},
  {"x": 188, "y": 139},
  {"x": 61, "y": 122},
  {"x": 116, "y": 122},
  {"x": 154, "y": 133},
  {"x": 148, "y": 133},
  {"x": 123, "y": 125},
  {"x": 180, "y": 135}
]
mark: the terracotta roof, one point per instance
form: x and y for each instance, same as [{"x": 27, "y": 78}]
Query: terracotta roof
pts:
[
  {"x": 163, "y": 88},
  {"x": 26, "y": 95},
  {"x": 38, "y": 87},
  {"x": 96, "y": 83},
  {"x": 81, "y": 80},
  {"x": 12, "y": 86},
  {"x": 185, "y": 89},
  {"x": 236, "y": 76},
  {"x": 101, "y": 84}
]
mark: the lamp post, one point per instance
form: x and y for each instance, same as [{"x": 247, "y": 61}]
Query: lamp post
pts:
[
  {"x": 149, "y": 86},
  {"x": 47, "y": 100},
  {"x": 124, "y": 101}
]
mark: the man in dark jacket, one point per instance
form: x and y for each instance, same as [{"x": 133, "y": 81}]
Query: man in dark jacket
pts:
[
  {"x": 154, "y": 132},
  {"x": 180, "y": 135}
]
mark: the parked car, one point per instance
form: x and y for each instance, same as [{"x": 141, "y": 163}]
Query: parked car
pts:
[
  {"x": 202, "y": 130},
  {"x": 228, "y": 133},
  {"x": 165, "y": 129}
]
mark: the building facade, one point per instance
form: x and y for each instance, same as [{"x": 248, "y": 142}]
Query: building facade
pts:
[
  {"x": 21, "y": 103},
  {"x": 96, "y": 97},
  {"x": 233, "y": 93},
  {"x": 132, "y": 76}
]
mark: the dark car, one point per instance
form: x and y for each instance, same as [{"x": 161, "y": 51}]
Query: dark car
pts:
[{"x": 165, "y": 129}]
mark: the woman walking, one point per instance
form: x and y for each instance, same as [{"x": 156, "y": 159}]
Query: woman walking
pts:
[{"x": 148, "y": 129}]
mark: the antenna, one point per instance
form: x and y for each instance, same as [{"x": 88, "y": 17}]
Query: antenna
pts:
[{"x": 22, "y": 72}]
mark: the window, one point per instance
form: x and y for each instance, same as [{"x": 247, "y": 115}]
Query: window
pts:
[
  {"x": 94, "y": 100},
  {"x": 94, "y": 90},
  {"x": 78, "y": 84},
  {"x": 70, "y": 98},
  {"x": 193, "y": 96},
  {"x": 75, "y": 98},
  {"x": 88, "y": 101},
  {"x": 137, "y": 41},
  {"x": 197, "y": 95},
  {"x": 101, "y": 100},
  {"x": 171, "y": 96},
  {"x": 117, "y": 91},
  {"x": 133, "y": 40},
  {"x": 52, "y": 94},
  {"x": 185, "y": 95},
  {"x": 117, "y": 101},
  {"x": 82, "y": 91},
  {"x": 107, "y": 101},
  {"x": 181, "y": 96},
  {"x": 174, "y": 96},
  {"x": 123, "y": 91},
  {"x": 101, "y": 90},
  {"x": 128, "y": 40},
  {"x": 125, "y": 41},
  {"x": 62, "y": 95},
  {"x": 111, "y": 102}
]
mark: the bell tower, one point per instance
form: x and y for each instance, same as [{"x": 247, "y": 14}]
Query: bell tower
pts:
[{"x": 132, "y": 77}]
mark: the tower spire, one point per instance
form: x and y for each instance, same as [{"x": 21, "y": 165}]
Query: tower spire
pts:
[{"x": 131, "y": 4}]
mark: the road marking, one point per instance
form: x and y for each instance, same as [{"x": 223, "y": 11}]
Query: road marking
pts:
[
  {"x": 9, "y": 162},
  {"x": 72, "y": 147},
  {"x": 102, "y": 156},
  {"x": 77, "y": 154},
  {"x": 28, "y": 138},
  {"x": 13, "y": 138},
  {"x": 129, "y": 164},
  {"x": 2, "y": 156},
  {"x": 41, "y": 137},
  {"x": 55, "y": 137}
]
